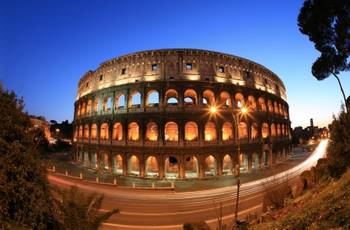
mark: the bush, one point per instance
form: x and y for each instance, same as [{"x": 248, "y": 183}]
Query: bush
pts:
[{"x": 276, "y": 194}]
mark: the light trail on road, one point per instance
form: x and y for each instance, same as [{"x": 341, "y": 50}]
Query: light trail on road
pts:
[{"x": 144, "y": 209}]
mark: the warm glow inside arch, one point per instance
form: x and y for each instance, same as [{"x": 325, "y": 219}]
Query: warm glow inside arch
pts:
[
  {"x": 191, "y": 131},
  {"x": 152, "y": 131},
  {"x": 133, "y": 131},
  {"x": 210, "y": 131},
  {"x": 171, "y": 131},
  {"x": 227, "y": 131},
  {"x": 117, "y": 134}
]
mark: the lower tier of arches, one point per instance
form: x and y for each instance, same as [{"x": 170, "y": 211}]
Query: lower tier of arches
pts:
[{"x": 180, "y": 166}]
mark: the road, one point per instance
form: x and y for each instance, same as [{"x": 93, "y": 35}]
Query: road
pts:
[{"x": 148, "y": 209}]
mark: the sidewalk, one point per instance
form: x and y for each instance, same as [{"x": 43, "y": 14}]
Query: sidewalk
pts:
[{"x": 76, "y": 170}]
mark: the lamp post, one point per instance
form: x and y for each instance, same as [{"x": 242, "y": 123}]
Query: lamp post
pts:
[{"x": 237, "y": 171}]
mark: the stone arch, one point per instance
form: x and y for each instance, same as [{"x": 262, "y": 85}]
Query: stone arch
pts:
[
  {"x": 278, "y": 127},
  {"x": 190, "y": 97},
  {"x": 244, "y": 162},
  {"x": 225, "y": 99},
  {"x": 133, "y": 166},
  {"x": 83, "y": 108},
  {"x": 93, "y": 131},
  {"x": 262, "y": 104},
  {"x": 117, "y": 134},
  {"x": 118, "y": 165},
  {"x": 227, "y": 131},
  {"x": 104, "y": 132},
  {"x": 251, "y": 103},
  {"x": 171, "y": 167},
  {"x": 80, "y": 134},
  {"x": 265, "y": 130},
  {"x": 208, "y": 98},
  {"x": 151, "y": 167},
  {"x": 152, "y": 98},
  {"x": 210, "y": 131},
  {"x": 152, "y": 131},
  {"x": 119, "y": 101},
  {"x": 135, "y": 99},
  {"x": 107, "y": 104},
  {"x": 191, "y": 131},
  {"x": 239, "y": 100},
  {"x": 133, "y": 131},
  {"x": 171, "y": 97},
  {"x": 254, "y": 131},
  {"x": 171, "y": 131},
  {"x": 191, "y": 167},
  {"x": 275, "y": 108},
  {"x": 242, "y": 130},
  {"x": 96, "y": 103},
  {"x": 270, "y": 106},
  {"x": 273, "y": 130},
  {"x": 227, "y": 165},
  {"x": 265, "y": 158},
  {"x": 255, "y": 161},
  {"x": 88, "y": 106},
  {"x": 86, "y": 132},
  {"x": 210, "y": 166},
  {"x": 105, "y": 161}
]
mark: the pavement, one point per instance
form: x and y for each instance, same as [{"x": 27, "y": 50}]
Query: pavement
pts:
[{"x": 167, "y": 209}]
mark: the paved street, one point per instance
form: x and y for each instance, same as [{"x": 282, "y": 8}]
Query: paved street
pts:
[{"x": 147, "y": 209}]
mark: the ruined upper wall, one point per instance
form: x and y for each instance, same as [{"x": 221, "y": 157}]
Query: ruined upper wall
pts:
[{"x": 181, "y": 64}]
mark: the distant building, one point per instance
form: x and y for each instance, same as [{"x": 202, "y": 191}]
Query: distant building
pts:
[{"x": 41, "y": 123}]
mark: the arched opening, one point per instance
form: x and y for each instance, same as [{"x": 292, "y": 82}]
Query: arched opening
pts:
[
  {"x": 133, "y": 131},
  {"x": 93, "y": 131},
  {"x": 210, "y": 166},
  {"x": 255, "y": 161},
  {"x": 225, "y": 99},
  {"x": 94, "y": 160},
  {"x": 133, "y": 166},
  {"x": 152, "y": 131},
  {"x": 227, "y": 165},
  {"x": 190, "y": 97},
  {"x": 117, "y": 132},
  {"x": 273, "y": 130},
  {"x": 104, "y": 132},
  {"x": 86, "y": 132},
  {"x": 119, "y": 101},
  {"x": 135, "y": 100},
  {"x": 265, "y": 130},
  {"x": 265, "y": 158},
  {"x": 276, "y": 107},
  {"x": 191, "y": 167},
  {"x": 171, "y": 131},
  {"x": 244, "y": 162},
  {"x": 254, "y": 131},
  {"x": 242, "y": 130},
  {"x": 83, "y": 108},
  {"x": 105, "y": 161},
  {"x": 171, "y": 167},
  {"x": 152, "y": 99},
  {"x": 96, "y": 102},
  {"x": 152, "y": 169},
  {"x": 88, "y": 107},
  {"x": 78, "y": 110},
  {"x": 251, "y": 103},
  {"x": 227, "y": 131},
  {"x": 107, "y": 104},
  {"x": 191, "y": 131},
  {"x": 262, "y": 104},
  {"x": 86, "y": 159},
  {"x": 270, "y": 106},
  {"x": 278, "y": 130},
  {"x": 118, "y": 165},
  {"x": 208, "y": 98},
  {"x": 80, "y": 135},
  {"x": 239, "y": 100},
  {"x": 210, "y": 131},
  {"x": 171, "y": 97}
]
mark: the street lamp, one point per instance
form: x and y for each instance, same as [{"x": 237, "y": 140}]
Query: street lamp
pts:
[{"x": 242, "y": 110}]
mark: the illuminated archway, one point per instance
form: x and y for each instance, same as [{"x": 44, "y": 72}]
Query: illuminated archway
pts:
[
  {"x": 135, "y": 99},
  {"x": 210, "y": 131},
  {"x": 225, "y": 99},
  {"x": 118, "y": 165},
  {"x": 191, "y": 131},
  {"x": 86, "y": 132},
  {"x": 227, "y": 131},
  {"x": 171, "y": 131},
  {"x": 262, "y": 104},
  {"x": 133, "y": 132},
  {"x": 134, "y": 166},
  {"x": 265, "y": 130},
  {"x": 227, "y": 165},
  {"x": 117, "y": 134},
  {"x": 104, "y": 132},
  {"x": 191, "y": 167},
  {"x": 152, "y": 99},
  {"x": 239, "y": 100},
  {"x": 251, "y": 103},
  {"x": 242, "y": 130},
  {"x": 254, "y": 131},
  {"x": 208, "y": 98},
  {"x": 171, "y": 167},
  {"x": 151, "y": 167},
  {"x": 93, "y": 131},
  {"x": 255, "y": 161},
  {"x": 152, "y": 131},
  {"x": 273, "y": 130},
  {"x": 244, "y": 162},
  {"x": 119, "y": 102},
  {"x": 190, "y": 97},
  {"x": 171, "y": 97},
  {"x": 210, "y": 166}
]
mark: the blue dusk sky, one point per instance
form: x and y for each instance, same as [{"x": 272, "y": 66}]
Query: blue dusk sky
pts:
[{"x": 46, "y": 46}]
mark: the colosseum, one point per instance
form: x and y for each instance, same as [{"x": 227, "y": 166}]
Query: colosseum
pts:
[{"x": 180, "y": 113}]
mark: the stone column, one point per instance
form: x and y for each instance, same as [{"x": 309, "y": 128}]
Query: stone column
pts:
[
  {"x": 142, "y": 166},
  {"x": 182, "y": 167},
  {"x": 219, "y": 165},
  {"x": 125, "y": 165}
]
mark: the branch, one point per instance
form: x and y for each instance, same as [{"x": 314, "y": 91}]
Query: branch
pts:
[{"x": 342, "y": 90}]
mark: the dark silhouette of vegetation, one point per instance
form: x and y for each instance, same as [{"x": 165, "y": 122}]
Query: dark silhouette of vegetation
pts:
[
  {"x": 74, "y": 210},
  {"x": 327, "y": 24}
]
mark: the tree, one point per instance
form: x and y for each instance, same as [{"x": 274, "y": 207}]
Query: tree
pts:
[
  {"x": 74, "y": 210},
  {"x": 24, "y": 193},
  {"x": 327, "y": 24}
]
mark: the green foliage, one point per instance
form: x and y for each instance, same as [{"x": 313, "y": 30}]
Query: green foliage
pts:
[
  {"x": 74, "y": 210},
  {"x": 339, "y": 147},
  {"x": 24, "y": 193}
]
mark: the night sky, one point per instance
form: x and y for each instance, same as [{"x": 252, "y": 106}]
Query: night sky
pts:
[{"x": 46, "y": 46}]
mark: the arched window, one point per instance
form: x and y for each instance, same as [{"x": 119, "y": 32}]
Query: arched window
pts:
[
  {"x": 78, "y": 110},
  {"x": 171, "y": 167},
  {"x": 275, "y": 107},
  {"x": 190, "y": 97},
  {"x": 104, "y": 131},
  {"x": 239, "y": 99},
  {"x": 251, "y": 103},
  {"x": 242, "y": 130},
  {"x": 208, "y": 98},
  {"x": 133, "y": 131},
  {"x": 210, "y": 131},
  {"x": 117, "y": 132},
  {"x": 227, "y": 131},
  {"x": 265, "y": 130},
  {"x": 80, "y": 131},
  {"x": 273, "y": 130},
  {"x": 151, "y": 167},
  {"x": 88, "y": 107},
  {"x": 191, "y": 167},
  {"x": 191, "y": 131},
  {"x": 96, "y": 102},
  {"x": 152, "y": 99},
  {"x": 134, "y": 166},
  {"x": 152, "y": 132},
  {"x": 270, "y": 106},
  {"x": 227, "y": 165},
  {"x": 83, "y": 108},
  {"x": 210, "y": 166},
  {"x": 135, "y": 100},
  {"x": 171, "y": 97},
  {"x": 280, "y": 109},
  {"x": 94, "y": 132},
  {"x": 119, "y": 101},
  {"x": 171, "y": 131},
  {"x": 262, "y": 104},
  {"x": 107, "y": 104},
  {"x": 278, "y": 130},
  {"x": 254, "y": 131},
  {"x": 86, "y": 132},
  {"x": 118, "y": 165},
  {"x": 225, "y": 99}
]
